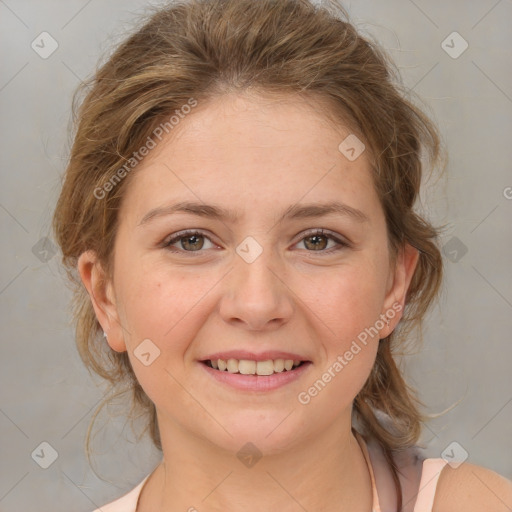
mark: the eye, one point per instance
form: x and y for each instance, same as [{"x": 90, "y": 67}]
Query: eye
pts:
[
  {"x": 190, "y": 241},
  {"x": 313, "y": 240}
]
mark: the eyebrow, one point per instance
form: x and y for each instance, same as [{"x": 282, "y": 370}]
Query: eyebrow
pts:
[{"x": 297, "y": 211}]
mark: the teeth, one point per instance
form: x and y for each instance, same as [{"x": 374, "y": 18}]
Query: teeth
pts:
[
  {"x": 279, "y": 365},
  {"x": 232, "y": 365},
  {"x": 248, "y": 367},
  {"x": 264, "y": 367}
]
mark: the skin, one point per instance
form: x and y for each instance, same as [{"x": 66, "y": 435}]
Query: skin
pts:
[{"x": 256, "y": 155}]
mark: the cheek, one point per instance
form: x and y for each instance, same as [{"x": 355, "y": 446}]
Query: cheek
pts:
[
  {"x": 167, "y": 306},
  {"x": 148, "y": 305},
  {"x": 351, "y": 305},
  {"x": 353, "y": 300},
  {"x": 159, "y": 313}
]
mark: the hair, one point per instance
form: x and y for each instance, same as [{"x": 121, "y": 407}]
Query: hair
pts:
[{"x": 203, "y": 49}]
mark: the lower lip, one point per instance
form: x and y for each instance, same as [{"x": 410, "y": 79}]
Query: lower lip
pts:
[{"x": 257, "y": 382}]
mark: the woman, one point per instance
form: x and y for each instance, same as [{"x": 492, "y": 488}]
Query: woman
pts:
[{"x": 239, "y": 208}]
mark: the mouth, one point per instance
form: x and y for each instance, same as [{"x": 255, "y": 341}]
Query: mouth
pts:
[
  {"x": 256, "y": 376},
  {"x": 254, "y": 368}
]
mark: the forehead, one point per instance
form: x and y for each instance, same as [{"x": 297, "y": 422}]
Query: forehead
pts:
[
  {"x": 253, "y": 151},
  {"x": 261, "y": 120}
]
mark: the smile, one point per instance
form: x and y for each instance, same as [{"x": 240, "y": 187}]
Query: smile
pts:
[
  {"x": 250, "y": 367},
  {"x": 229, "y": 373}
]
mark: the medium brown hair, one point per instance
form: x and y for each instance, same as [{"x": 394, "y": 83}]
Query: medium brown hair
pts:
[{"x": 202, "y": 49}]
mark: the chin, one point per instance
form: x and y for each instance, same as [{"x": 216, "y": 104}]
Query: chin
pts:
[{"x": 267, "y": 431}]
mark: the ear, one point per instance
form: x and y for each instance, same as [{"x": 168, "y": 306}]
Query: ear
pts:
[
  {"x": 398, "y": 284},
  {"x": 102, "y": 297}
]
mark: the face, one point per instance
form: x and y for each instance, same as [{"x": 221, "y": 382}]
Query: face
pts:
[{"x": 256, "y": 284}]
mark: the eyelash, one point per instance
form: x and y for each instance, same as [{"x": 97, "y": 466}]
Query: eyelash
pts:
[{"x": 315, "y": 232}]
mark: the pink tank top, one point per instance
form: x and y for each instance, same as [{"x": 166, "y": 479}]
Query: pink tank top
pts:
[{"x": 431, "y": 469}]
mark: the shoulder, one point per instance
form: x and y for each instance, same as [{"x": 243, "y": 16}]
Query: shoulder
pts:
[
  {"x": 127, "y": 502},
  {"x": 472, "y": 488}
]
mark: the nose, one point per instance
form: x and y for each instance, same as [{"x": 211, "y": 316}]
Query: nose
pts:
[{"x": 256, "y": 295}]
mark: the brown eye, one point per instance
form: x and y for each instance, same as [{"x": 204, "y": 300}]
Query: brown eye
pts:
[
  {"x": 317, "y": 241},
  {"x": 192, "y": 242},
  {"x": 189, "y": 241}
]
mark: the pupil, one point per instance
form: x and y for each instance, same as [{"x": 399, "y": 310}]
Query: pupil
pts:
[
  {"x": 317, "y": 237},
  {"x": 191, "y": 237}
]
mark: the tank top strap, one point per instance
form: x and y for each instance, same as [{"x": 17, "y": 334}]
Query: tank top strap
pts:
[
  {"x": 430, "y": 474},
  {"x": 364, "y": 449}
]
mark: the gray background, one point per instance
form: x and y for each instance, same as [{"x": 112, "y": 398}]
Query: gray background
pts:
[{"x": 47, "y": 395}]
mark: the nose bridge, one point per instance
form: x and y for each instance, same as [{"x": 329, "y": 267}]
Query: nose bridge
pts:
[
  {"x": 255, "y": 270},
  {"x": 257, "y": 294}
]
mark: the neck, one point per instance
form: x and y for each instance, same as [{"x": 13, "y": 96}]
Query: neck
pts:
[{"x": 326, "y": 471}]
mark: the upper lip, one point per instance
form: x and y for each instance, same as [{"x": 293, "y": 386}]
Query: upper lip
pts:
[{"x": 251, "y": 356}]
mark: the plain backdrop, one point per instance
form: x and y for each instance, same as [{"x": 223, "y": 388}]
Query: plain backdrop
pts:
[{"x": 46, "y": 395}]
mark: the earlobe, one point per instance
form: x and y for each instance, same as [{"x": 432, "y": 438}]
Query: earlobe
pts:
[
  {"x": 405, "y": 266},
  {"x": 101, "y": 294}
]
